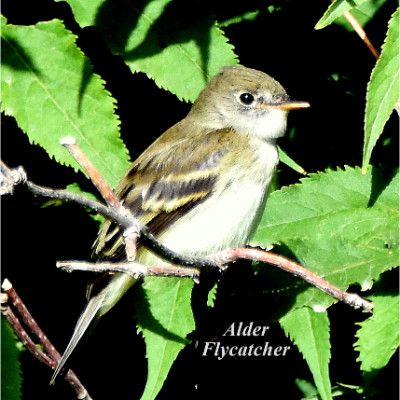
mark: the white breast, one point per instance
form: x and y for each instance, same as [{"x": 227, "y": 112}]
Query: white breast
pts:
[
  {"x": 228, "y": 218},
  {"x": 212, "y": 225}
]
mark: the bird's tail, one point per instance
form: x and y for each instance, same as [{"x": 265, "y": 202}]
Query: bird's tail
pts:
[
  {"x": 87, "y": 319},
  {"x": 112, "y": 288}
]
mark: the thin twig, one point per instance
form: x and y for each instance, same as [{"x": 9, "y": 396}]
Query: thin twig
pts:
[
  {"x": 131, "y": 233},
  {"x": 127, "y": 221},
  {"x": 53, "y": 356},
  {"x": 122, "y": 217},
  {"x": 361, "y": 32},
  {"x": 363, "y": 35},
  {"x": 70, "y": 144},
  {"x": 29, "y": 320},
  {"x": 136, "y": 270},
  {"x": 285, "y": 264},
  {"x": 9, "y": 178},
  {"x": 24, "y": 337}
]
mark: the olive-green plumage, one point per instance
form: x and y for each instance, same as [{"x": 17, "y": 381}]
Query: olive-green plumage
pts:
[{"x": 202, "y": 185}]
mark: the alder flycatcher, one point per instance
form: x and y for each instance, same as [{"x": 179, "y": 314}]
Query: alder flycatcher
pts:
[{"x": 202, "y": 185}]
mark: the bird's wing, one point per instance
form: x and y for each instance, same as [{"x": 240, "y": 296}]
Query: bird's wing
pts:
[
  {"x": 159, "y": 188},
  {"x": 166, "y": 182}
]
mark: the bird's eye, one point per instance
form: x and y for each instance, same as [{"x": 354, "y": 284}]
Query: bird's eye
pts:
[{"x": 246, "y": 98}]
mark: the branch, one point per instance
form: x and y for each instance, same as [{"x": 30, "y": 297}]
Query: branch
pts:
[
  {"x": 354, "y": 300},
  {"x": 361, "y": 32},
  {"x": 109, "y": 196},
  {"x": 221, "y": 258},
  {"x": 121, "y": 215},
  {"x": 363, "y": 35},
  {"x": 134, "y": 269},
  {"x": 51, "y": 356},
  {"x": 9, "y": 178},
  {"x": 131, "y": 232},
  {"x": 115, "y": 211},
  {"x": 125, "y": 219}
]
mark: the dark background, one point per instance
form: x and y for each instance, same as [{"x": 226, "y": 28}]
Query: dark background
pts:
[{"x": 112, "y": 363}]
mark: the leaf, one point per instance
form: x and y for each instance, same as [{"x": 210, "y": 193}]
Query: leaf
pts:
[
  {"x": 62, "y": 97},
  {"x": 336, "y": 10},
  {"x": 383, "y": 90},
  {"x": 310, "y": 332},
  {"x": 165, "y": 319},
  {"x": 307, "y": 388},
  {"x": 378, "y": 337},
  {"x": 175, "y": 43},
  {"x": 212, "y": 294},
  {"x": 339, "y": 224},
  {"x": 327, "y": 203},
  {"x": 283, "y": 157},
  {"x": 85, "y": 11},
  {"x": 247, "y": 16},
  {"x": 11, "y": 379},
  {"x": 362, "y": 10},
  {"x": 363, "y": 13}
]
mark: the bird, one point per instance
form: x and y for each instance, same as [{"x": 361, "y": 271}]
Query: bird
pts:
[{"x": 201, "y": 186}]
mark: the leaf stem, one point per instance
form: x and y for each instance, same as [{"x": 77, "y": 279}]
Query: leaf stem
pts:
[{"x": 361, "y": 32}]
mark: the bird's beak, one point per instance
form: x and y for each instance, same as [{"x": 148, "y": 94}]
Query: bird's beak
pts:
[{"x": 288, "y": 105}]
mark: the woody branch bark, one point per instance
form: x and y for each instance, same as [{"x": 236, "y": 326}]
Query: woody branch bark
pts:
[
  {"x": 50, "y": 356},
  {"x": 276, "y": 260},
  {"x": 186, "y": 266},
  {"x": 131, "y": 233}
]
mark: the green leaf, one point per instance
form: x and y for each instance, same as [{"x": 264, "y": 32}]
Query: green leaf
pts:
[
  {"x": 165, "y": 319},
  {"x": 75, "y": 188},
  {"x": 62, "y": 97},
  {"x": 247, "y": 16},
  {"x": 383, "y": 90},
  {"x": 307, "y": 388},
  {"x": 362, "y": 10},
  {"x": 363, "y": 13},
  {"x": 339, "y": 224},
  {"x": 378, "y": 337},
  {"x": 283, "y": 157},
  {"x": 85, "y": 11},
  {"x": 328, "y": 203},
  {"x": 176, "y": 44},
  {"x": 336, "y": 10},
  {"x": 310, "y": 332},
  {"x": 11, "y": 378},
  {"x": 212, "y": 295}
]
